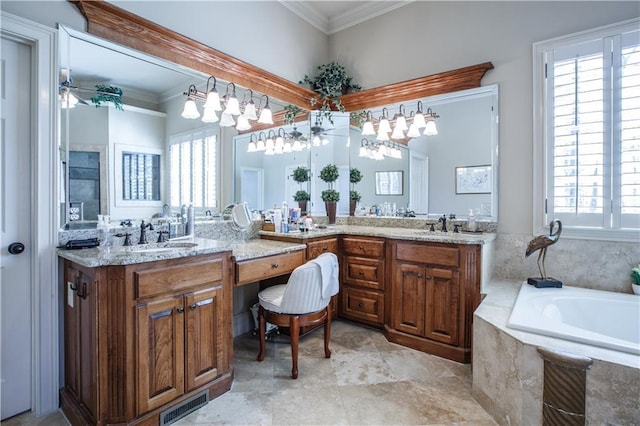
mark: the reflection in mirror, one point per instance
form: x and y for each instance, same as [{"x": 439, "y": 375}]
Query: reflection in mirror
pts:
[
  {"x": 389, "y": 183},
  {"x": 467, "y": 136},
  {"x": 153, "y": 96}
]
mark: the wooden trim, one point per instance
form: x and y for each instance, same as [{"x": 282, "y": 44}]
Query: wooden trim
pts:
[
  {"x": 435, "y": 84},
  {"x": 112, "y": 23}
]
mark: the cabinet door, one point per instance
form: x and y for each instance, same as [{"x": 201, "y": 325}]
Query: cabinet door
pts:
[
  {"x": 409, "y": 299},
  {"x": 160, "y": 339},
  {"x": 205, "y": 350},
  {"x": 80, "y": 337},
  {"x": 443, "y": 305}
]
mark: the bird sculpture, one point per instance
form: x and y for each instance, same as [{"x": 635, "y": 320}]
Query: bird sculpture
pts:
[{"x": 542, "y": 242}]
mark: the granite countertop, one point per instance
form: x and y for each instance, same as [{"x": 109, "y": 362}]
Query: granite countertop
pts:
[
  {"x": 423, "y": 235},
  {"x": 184, "y": 247}
]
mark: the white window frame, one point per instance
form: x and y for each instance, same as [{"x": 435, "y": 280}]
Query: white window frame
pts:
[
  {"x": 191, "y": 135},
  {"x": 543, "y": 145}
]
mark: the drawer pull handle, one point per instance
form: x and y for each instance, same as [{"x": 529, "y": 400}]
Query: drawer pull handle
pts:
[
  {"x": 193, "y": 306},
  {"x": 325, "y": 248},
  {"x": 361, "y": 247},
  {"x": 427, "y": 277},
  {"x": 360, "y": 305},
  {"x": 275, "y": 265},
  {"x": 180, "y": 309},
  {"x": 419, "y": 275},
  {"x": 83, "y": 294},
  {"x": 360, "y": 273},
  {"x": 76, "y": 280}
]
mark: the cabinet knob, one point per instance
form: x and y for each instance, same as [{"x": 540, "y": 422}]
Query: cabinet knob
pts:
[
  {"x": 193, "y": 306},
  {"x": 360, "y": 273},
  {"x": 180, "y": 309},
  {"x": 361, "y": 247},
  {"x": 360, "y": 305},
  {"x": 275, "y": 265},
  {"x": 325, "y": 248}
]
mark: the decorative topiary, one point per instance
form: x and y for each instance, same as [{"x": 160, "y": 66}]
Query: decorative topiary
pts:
[
  {"x": 106, "y": 94},
  {"x": 301, "y": 196}
]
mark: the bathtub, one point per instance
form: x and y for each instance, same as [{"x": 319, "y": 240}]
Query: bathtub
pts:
[{"x": 598, "y": 318}]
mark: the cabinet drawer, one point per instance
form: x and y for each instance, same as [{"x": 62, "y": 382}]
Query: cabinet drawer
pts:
[
  {"x": 316, "y": 248},
  {"x": 429, "y": 254},
  {"x": 363, "y": 305},
  {"x": 249, "y": 271},
  {"x": 363, "y": 247},
  {"x": 363, "y": 272},
  {"x": 176, "y": 279}
]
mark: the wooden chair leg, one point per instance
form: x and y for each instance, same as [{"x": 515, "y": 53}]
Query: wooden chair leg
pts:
[
  {"x": 327, "y": 333},
  {"x": 294, "y": 330},
  {"x": 262, "y": 330}
]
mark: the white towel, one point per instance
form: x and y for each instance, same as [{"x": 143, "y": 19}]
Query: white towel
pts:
[{"x": 328, "y": 263}]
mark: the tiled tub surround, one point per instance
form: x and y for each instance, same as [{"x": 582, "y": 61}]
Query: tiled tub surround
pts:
[
  {"x": 507, "y": 369},
  {"x": 600, "y": 265}
]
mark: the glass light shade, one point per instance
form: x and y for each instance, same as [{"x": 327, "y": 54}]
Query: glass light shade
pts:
[
  {"x": 250, "y": 111},
  {"x": 252, "y": 147},
  {"x": 367, "y": 129},
  {"x": 297, "y": 146},
  {"x": 384, "y": 126},
  {"x": 382, "y": 150},
  {"x": 382, "y": 136},
  {"x": 363, "y": 152},
  {"x": 209, "y": 115},
  {"x": 279, "y": 143},
  {"x": 269, "y": 151},
  {"x": 418, "y": 121},
  {"x": 401, "y": 122},
  {"x": 190, "y": 110},
  {"x": 265, "y": 116},
  {"x": 413, "y": 132},
  {"x": 243, "y": 123},
  {"x": 213, "y": 100},
  {"x": 260, "y": 145},
  {"x": 278, "y": 149},
  {"x": 287, "y": 147},
  {"x": 431, "y": 129},
  {"x": 270, "y": 144},
  {"x": 68, "y": 100},
  {"x": 316, "y": 140},
  {"x": 325, "y": 141},
  {"x": 233, "y": 106},
  {"x": 227, "y": 120},
  {"x": 397, "y": 133},
  {"x": 376, "y": 155}
]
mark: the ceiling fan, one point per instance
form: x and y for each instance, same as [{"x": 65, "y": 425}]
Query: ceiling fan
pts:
[{"x": 70, "y": 94}]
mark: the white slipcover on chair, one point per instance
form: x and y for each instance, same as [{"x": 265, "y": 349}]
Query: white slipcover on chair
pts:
[{"x": 303, "y": 301}]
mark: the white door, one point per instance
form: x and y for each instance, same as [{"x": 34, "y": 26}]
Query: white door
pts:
[
  {"x": 419, "y": 184},
  {"x": 15, "y": 226}
]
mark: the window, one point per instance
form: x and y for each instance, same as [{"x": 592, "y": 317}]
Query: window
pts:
[
  {"x": 140, "y": 176},
  {"x": 587, "y": 132},
  {"x": 193, "y": 169}
]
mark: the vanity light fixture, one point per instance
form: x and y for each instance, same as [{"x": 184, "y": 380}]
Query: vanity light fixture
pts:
[
  {"x": 277, "y": 142},
  {"x": 399, "y": 124},
  {"x": 229, "y": 104},
  {"x": 253, "y": 146},
  {"x": 377, "y": 150}
]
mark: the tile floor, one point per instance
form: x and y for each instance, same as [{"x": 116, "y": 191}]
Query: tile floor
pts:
[{"x": 367, "y": 381}]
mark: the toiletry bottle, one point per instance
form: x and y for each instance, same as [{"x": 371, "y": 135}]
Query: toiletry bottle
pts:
[
  {"x": 191, "y": 220},
  {"x": 277, "y": 220},
  {"x": 471, "y": 221}
]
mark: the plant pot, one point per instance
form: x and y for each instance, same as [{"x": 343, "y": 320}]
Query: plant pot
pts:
[
  {"x": 303, "y": 207},
  {"x": 352, "y": 207},
  {"x": 636, "y": 288},
  {"x": 331, "y": 211}
]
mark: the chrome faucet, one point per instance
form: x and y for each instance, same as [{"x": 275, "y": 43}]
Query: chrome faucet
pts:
[{"x": 143, "y": 232}]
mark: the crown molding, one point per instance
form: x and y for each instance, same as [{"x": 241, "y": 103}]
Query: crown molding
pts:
[{"x": 357, "y": 15}]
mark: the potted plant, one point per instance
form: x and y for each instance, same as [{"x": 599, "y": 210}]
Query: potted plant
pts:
[
  {"x": 354, "y": 196},
  {"x": 329, "y": 174},
  {"x": 106, "y": 94},
  {"x": 301, "y": 175},
  {"x": 635, "y": 279},
  {"x": 330, "y": 83}
]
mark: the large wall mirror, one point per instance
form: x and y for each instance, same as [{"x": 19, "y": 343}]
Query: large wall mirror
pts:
[
  {"x": 116, "y": 162},
  {"x": 467, "y": 138}
]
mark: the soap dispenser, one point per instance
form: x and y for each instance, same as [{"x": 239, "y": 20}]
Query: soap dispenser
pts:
[{"x": 471, "y": 221}]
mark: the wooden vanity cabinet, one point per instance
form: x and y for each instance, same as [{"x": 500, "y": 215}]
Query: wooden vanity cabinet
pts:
[
  {"x": 159, "y": 333},
  {"x": 434, "y": 290},
  {"x": 363, "y": 280}
]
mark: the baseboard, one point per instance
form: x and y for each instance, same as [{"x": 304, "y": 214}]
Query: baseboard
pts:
[{"x": 242, "y": 323}]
